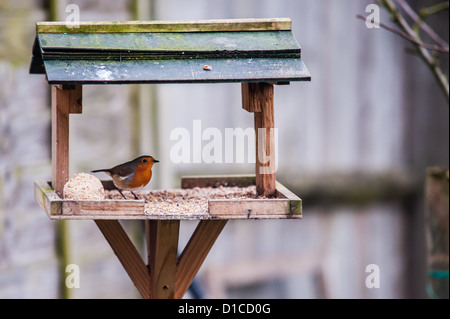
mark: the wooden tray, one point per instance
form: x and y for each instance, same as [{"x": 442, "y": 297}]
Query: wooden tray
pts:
[{"x": 284, "y": 206}]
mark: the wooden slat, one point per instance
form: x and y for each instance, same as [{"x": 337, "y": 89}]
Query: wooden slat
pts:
[
  {"x": 99, "y": 55},
  {"x": 262, "y": 97},
  {"x": 162, "y": 249},
  {"x": 250, "y": 208},
  {"x": 214, "y": 181},
  {"x": 165, "y": 26},
  {"x": 176, "y": 71},
  {"x": 172, "y": 45},
  {"x": 195, "y": 253},
  {"x": 127, "y": 254},
  {"x": 111, "y": 208}
]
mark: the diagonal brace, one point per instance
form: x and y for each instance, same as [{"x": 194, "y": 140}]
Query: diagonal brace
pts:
[{"x": 167, "y": 276}]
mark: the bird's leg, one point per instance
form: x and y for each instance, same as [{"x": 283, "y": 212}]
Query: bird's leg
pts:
[
  {"x": 121, "y": 193},
  {"x": 135, "y": 197}
]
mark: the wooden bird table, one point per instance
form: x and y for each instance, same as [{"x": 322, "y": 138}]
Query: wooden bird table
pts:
[{"x": 256, "y": 52}]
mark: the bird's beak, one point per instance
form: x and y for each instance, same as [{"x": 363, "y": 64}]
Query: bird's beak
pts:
[{"x": 155, "y": 161}]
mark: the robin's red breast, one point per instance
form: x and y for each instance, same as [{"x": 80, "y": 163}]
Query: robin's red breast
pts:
[{"x": 131, "y": 175}]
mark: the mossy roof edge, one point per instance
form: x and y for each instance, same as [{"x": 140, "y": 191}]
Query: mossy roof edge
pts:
[{"x": 216, "y": 25}]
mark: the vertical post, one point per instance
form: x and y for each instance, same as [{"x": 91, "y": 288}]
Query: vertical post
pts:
[
  {"x": 259, "y": 99},
  {"x": 60, "y": 174},
  {"x": 437, "y": 231},
  {"x": 60, "y": 138},
  {"x": 65, "y": 100},
  {"x": 162, "y": 248}
]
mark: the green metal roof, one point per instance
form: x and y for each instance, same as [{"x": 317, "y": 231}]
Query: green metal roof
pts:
[{"x": 256, "y": 50}]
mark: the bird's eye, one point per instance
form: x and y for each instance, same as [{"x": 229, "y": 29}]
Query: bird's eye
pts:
[{"x": 144, "y": 160}]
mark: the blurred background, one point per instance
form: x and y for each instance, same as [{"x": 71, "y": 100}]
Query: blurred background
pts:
[{"x": 354, "y": 144}]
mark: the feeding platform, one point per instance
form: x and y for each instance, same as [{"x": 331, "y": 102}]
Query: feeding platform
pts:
[
  {"x": 258, "y": 53},
  {"x": 201, "y": 198}
]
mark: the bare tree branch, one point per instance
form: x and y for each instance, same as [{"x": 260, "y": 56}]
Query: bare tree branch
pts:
[
  {"x": 423, "y": 50},
  {"x": 435, "y": 8},
  {"x": 430, "y": 60},
  {"x": 409, "y": 38},
  {"x": 425, "y": 27}
]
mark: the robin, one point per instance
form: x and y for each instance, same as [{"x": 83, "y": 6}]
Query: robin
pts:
[{"x": 131, "y": 175}]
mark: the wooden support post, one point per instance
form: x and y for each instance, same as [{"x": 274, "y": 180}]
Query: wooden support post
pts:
[
  {"x": 60, "y": 139},
  {"x": 127, "y": 254},
  {"x": 166, "y": 276},
  {"x": 259, "y": 99},
  {"x": 195, "y": 253},
  {"x": 65, "y": 100},
  {"x": 162, "y": 247},
  {"x": 437, "y": 231}
]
